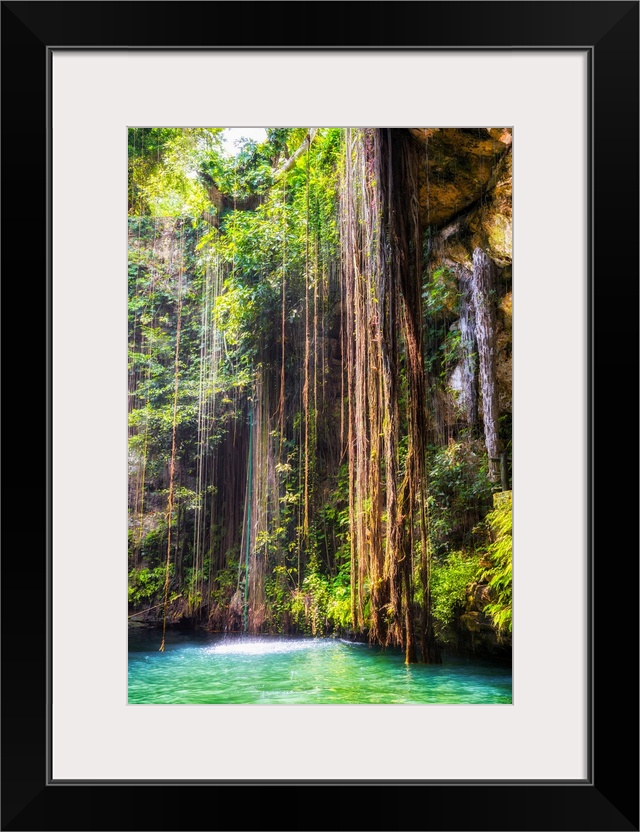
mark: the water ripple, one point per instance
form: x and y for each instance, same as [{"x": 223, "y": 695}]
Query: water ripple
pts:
[{"x": 207, "y": 669}]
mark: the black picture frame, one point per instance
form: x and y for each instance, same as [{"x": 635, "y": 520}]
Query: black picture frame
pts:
[{"x": 608, "y": 798}]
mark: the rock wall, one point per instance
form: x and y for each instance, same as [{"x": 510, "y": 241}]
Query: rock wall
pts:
[{"x": 466, "y": 202}]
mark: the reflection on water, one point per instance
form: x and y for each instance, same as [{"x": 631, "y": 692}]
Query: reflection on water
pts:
[{"x": 202, "y": 668}]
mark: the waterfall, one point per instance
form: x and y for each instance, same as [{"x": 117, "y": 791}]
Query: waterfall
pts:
[
  {"x": 469, "y": 348},
  {"x": 483, "y": 290}
]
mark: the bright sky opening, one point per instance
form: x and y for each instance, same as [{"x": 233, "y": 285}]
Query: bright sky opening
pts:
[{"x": 232, "y": 134}]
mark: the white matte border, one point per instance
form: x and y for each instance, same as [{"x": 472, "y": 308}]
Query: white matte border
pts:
[{"x": 96, "y": 95}]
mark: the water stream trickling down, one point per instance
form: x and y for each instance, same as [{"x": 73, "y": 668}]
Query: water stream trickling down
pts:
[{"x": 208, "y": 669}]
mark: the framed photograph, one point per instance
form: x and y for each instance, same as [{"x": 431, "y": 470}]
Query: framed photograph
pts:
[{"x": 433, "y": 108}]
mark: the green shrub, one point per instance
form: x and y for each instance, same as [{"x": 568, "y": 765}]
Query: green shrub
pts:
[
  {"x": 449, "y": 582},
  {"x": 145, "y": 585},
  {"x": 459, "y": 493}
]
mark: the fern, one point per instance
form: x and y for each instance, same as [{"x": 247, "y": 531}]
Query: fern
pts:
[{"x": 499, "y": 574}]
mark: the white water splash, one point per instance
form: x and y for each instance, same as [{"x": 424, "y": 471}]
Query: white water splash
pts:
[{"x": 265, "y": 647}]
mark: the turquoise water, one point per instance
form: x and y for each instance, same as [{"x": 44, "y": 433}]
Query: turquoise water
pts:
[{"x": 206, "y": 669}]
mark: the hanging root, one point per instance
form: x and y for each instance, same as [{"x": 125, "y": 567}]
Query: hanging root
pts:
[
  {"x": 382, "y": 278},
  {"x": 172, "y": 466}
]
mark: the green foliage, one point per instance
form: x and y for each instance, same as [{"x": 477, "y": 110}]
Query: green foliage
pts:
[
  {"x": 226, "y": 580},
  {"x": 309, "y": 604},
  {"x": 339, "y": 602},
  {"x": 323, "y": 604},
  {"x": 451, "y": 348},
  {"x": 459, "y": 493},
  {"x": 279, "y": 586},
  {"x": 249, "y": 171},
  {"x": 145, "y": 146},
  {"x": 264, "y": 246},
  {"x": 146, "y": 585},
  {"x": 164, "y": 167},
  {"x": 441, "y": 297},
  {"x": 440, "y": 293},
  {"x": 450, "y": 580},
  {"x": 505, "y": 427},
  {"x": 499, "y": 574}
]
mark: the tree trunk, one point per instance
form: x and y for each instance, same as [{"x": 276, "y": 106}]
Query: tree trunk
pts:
[{"x": 306, "y": 144}]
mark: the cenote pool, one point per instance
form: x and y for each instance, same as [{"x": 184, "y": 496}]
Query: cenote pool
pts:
[{"x": 205, "y": 669}]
